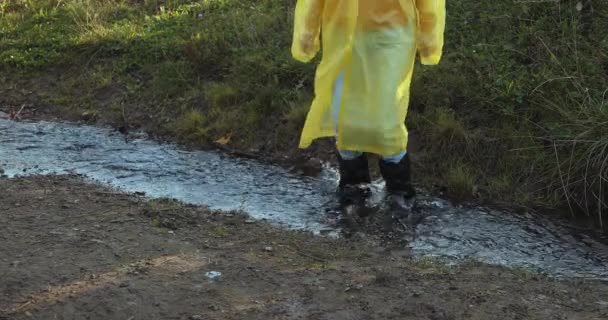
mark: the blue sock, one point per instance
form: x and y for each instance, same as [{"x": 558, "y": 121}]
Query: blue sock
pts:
[
  {"x": 395, "y": 158},
  {"x": 349, "y": 155}
]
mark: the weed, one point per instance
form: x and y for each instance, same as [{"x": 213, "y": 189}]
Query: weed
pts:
[
  {"x": 461, "y": 181},
  {"x": 190, "y": 127}
]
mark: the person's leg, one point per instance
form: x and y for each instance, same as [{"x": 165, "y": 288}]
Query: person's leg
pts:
[
  {"x": 336, "y": 104},
  {"x": 396, "y": 168},
  {"x": 396, "y": 172},
  {"x": 396, "y": 158},
  {"x": 397, "y": 175},
  {"x": 353, "y": 165},
  {"x": 353, "y": 171},
  {"x": 349, "y": 155}
]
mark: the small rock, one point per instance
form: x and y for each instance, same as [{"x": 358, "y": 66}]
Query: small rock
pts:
[
  {"x": 326, "y": 231},
  {"x": 249, "y": 221},
  {"x": 196, "y": 317},
  {"x": 268, "y": 249},
  {"x": 213, "y": 275},
  {"x": 87, "y": 116},
  {"x": 65, "y": 206},
  {"x": 171, "y": 232}
]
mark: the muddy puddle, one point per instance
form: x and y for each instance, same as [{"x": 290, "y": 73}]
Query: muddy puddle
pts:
[{"x": 138, "y": 164}]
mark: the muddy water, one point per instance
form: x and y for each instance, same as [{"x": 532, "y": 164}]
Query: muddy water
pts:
[{"x": 270, "y": 193}]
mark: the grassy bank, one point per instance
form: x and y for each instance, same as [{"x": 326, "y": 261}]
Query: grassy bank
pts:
[{"x": 515, "y": 113}]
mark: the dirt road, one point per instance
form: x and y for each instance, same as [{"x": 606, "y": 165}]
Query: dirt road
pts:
[{"x": 74, "y": 250}]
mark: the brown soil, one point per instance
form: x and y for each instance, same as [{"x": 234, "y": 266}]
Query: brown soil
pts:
[{"x": 73, "y": 250}]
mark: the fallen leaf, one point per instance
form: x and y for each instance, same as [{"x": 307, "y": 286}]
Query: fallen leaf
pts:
[{"x": 224, "y": 140}]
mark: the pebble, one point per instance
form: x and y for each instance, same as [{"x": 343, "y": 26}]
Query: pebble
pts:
[
  {"x": 357, "y": 287},
  {"x": 268, "y": 249},
  {"x": 326, "y": 231},
  {"x": 213, "y": 275},
  {"x": 86, "y": 116}
]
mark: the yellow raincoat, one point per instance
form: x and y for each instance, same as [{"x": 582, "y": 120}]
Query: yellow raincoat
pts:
[{"x": 371, "y": 46}]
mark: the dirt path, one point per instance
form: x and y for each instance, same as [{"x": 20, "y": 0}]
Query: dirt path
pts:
[{"x": 72, "y": 250}]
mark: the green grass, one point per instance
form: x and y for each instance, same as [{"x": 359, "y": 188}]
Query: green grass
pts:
[
  {"x": 460, "y": 180},
  {"x": 516, "y": 111}
]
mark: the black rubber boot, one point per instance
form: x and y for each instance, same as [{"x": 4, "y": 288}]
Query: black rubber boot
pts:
[
  {"x": 354, "y": 176},
  {"x": 353, "y": 172},
  {"x": 398, "y": 184}
]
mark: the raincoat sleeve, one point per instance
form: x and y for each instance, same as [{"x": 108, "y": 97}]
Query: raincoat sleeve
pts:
[
  {"x": 431, "y": 26},
  {"x": 307, "y": 29}
]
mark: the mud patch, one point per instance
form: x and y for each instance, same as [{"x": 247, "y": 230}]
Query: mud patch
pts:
[{"x": 72, "y": 250}]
